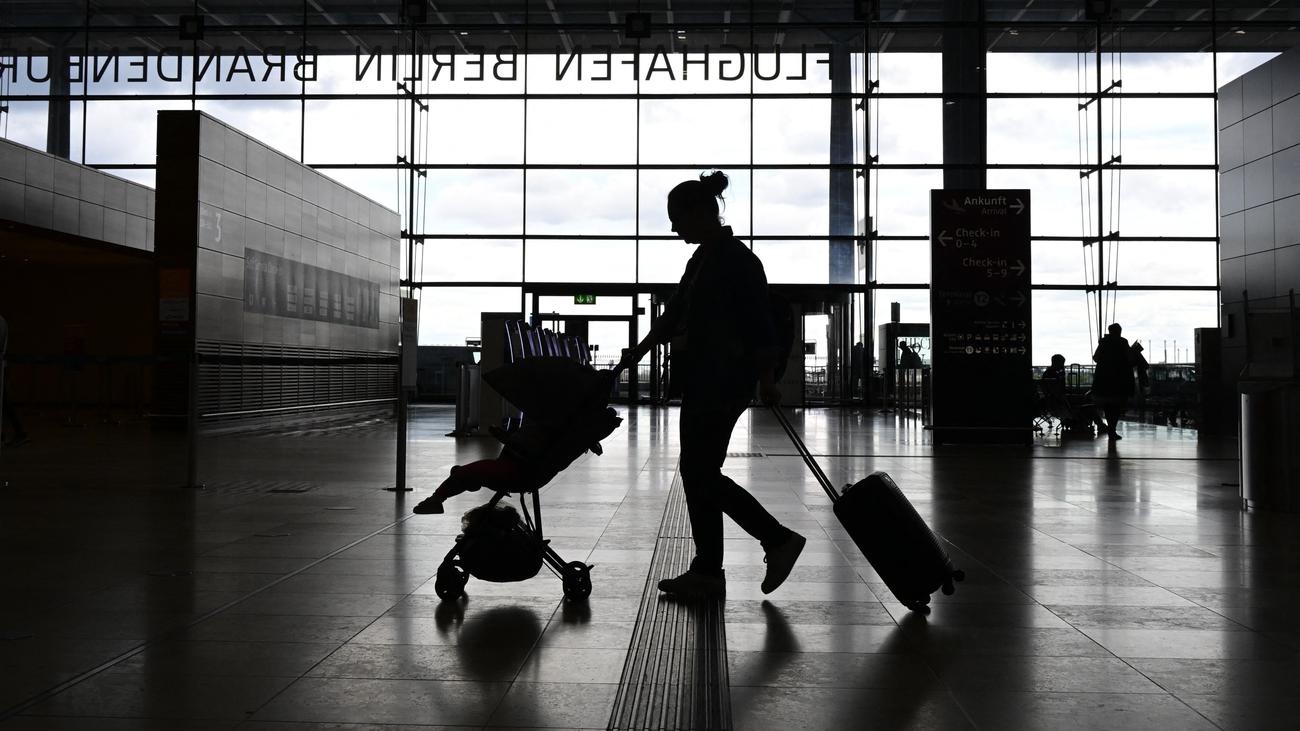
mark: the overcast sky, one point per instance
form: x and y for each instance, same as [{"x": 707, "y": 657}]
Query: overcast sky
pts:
[{"x": 702, "y": 133}]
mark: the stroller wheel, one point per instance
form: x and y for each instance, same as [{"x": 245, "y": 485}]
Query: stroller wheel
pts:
[
  {"x": 577, "y": 580},
  {"x": 450, "y": 582}
]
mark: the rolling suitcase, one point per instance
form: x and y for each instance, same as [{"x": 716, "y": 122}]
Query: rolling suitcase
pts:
[{"x": 888, "y": 531}]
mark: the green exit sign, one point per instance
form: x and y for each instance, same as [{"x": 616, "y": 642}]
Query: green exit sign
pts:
[{"x": 584, "y": 299}]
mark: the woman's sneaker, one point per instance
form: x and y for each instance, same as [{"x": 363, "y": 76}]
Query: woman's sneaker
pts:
[
  {"x": 780, "y": 559},
  {"x": 695, "y": 585}
]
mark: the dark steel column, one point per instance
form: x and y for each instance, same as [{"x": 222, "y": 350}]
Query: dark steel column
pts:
[
  {"x": 964, "y": 105},
  {"x": 841, "y": 227},
  {"x": 58, "y": 118}
]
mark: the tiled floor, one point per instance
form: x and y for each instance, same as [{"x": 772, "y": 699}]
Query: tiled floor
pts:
[{"x": 1106, "y": 589}]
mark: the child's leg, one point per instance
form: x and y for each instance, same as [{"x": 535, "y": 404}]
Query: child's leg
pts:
[{"x": 497, "y": 474}]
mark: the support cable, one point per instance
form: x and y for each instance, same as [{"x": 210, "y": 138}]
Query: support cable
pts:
[
  {"x": 5, "y": 88},
  {"x": 399, "y": 145},
  {"x": 1101, "y": 181},
  {"x": 875, "y": 119},
  {"x": 523, "y": 183},
  {"x": 1119, "y": 174},
  {"x": 4, "y": 100},
  {"x": 636, "y": 222},
  {"x": 420, "y": 177},
  {"x": 1109, "y": 295},
  {"x": 422, "y": 155},
  {"x": 85, "y": 88},
  {"x": 873, "y": 187},
  {"x": 1083, "y": 137},
  {"x": 752, "y": 12}
]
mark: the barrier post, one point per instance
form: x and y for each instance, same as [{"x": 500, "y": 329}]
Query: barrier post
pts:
[
  {"x": 407, "y": 354},
  {"x": 400, "y": 486}
]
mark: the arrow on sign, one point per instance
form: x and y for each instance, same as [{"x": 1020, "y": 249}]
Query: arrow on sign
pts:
[
  {"x": 1018, "y": 267},
  {"x": 1018, "y": 298},
  {"x": 944, "y": 238},
  {"x": 1018, "y": 206}
]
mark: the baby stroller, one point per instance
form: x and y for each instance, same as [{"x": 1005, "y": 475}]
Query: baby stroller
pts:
[{"x": 566, "y": 414}]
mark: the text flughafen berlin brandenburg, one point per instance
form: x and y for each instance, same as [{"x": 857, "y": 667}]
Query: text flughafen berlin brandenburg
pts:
[{"x": 725, "y": 63}]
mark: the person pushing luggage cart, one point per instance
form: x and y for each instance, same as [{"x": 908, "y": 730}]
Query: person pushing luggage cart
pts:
[{"x": 721, "y": 314}]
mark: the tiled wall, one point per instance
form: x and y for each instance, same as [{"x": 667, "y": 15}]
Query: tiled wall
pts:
[
  {"x": 223, "y": 194},
  {"x": 253, "y": 198},
  {"x": 1259, "y": 188},
  {"x": 49, "y": 192}
]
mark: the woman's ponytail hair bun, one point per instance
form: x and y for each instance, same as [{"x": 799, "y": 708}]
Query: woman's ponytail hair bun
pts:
[{"x": 714, "y": 182}]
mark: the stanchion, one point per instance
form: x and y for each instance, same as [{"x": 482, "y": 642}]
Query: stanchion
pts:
[
  {"x": 408, "y": 348},
  {"x": 403, "y": 413}
]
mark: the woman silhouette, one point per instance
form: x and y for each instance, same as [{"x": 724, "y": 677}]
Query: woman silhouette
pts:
[{"x": 721, "y": 307}]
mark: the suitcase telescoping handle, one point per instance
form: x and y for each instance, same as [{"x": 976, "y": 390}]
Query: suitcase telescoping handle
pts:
[{"x": 808, "y": 459}]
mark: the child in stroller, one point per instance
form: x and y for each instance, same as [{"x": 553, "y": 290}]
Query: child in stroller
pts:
[
  {"x": 548, "y": 440},
  {"x": 566, "y": 415}
]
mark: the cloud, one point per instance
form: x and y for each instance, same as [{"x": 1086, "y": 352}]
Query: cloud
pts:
[
  {"x": 25, "y": 123},
  {"x": 481, "y": 260},
  {"x": 588, "y": 202}
]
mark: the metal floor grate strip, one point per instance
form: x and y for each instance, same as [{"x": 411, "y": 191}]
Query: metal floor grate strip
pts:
[
  {"x": 252, "y": 487},
  {"x": 675, "y": 676}
]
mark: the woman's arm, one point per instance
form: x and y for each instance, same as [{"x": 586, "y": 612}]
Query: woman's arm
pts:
[
  {"x": 664, "y": 327},
  {"x": 634, "y": 355}
]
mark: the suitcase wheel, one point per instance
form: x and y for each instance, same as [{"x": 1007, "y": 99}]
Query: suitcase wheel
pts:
[
  {"x": 450, "y": 581},
  {"x": 956, "y": 575},
  {"x": 577, "y": 581}
]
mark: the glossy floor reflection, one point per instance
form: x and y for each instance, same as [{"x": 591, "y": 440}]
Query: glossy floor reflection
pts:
[{"x": 1107, "y": 587}]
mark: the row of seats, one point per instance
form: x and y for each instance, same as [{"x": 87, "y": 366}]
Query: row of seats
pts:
[{"x": 526, "y": 341}]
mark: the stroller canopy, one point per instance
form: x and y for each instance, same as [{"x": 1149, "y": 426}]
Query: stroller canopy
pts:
[{"x": 548, "y": 388}]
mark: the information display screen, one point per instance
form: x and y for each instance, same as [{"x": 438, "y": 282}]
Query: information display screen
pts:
[{"x": 274, "y": 285}]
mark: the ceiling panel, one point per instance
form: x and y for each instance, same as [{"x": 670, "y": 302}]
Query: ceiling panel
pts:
[{"x": 340, "y": 26}]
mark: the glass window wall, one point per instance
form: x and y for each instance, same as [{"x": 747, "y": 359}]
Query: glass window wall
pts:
[{"x": 547, "y": 157}]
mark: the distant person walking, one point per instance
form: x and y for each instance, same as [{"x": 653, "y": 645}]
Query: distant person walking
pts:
[
  {"x": 1140, "y": 366},
  {"x": 857, "y": 368},
  {"x": 1112, "y": 381},
  {"x": 722, "y": 306},
  {"x": 909, "y": 359}
]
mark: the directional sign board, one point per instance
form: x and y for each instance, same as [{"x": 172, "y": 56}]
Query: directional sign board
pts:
[{"x": 980, "y": 306}]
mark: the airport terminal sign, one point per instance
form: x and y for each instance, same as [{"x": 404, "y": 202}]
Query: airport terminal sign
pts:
[
  {"x": 445, "y": 62},
  {"x": 981, "y": 313}
]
